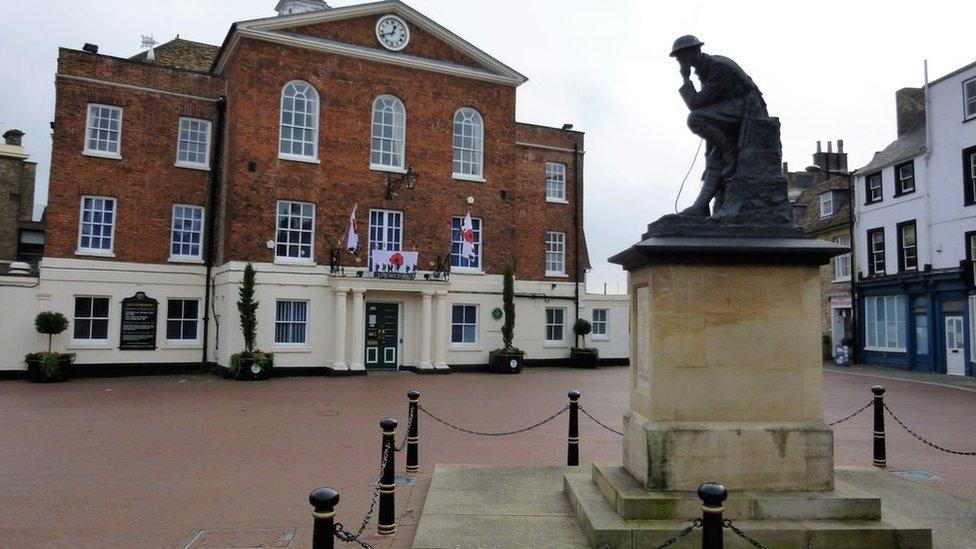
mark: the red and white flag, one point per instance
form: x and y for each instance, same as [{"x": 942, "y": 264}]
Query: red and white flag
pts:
[
  {"x": 352, "y": 239},
  {"x": 467, "y": 238}
]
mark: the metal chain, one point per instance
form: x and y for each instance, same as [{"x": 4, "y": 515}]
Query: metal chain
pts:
[
  {"x": 600, "y": 423},
  {"x": 498, "y": 434},
  {"x": 921, "y": 438},
  {"x": 849, "y": 416},
  {"x": 344, "y": 535},
  {"x": 406, "y": 432},
  {"x": 674, "y": 539},
  {"x": 728, "y": 524}
]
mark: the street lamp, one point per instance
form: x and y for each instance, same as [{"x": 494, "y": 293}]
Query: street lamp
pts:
[{"x": 394, "y": 182}]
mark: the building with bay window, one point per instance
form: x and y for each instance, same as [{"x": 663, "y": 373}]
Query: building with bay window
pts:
[
  {"x": 173, "y": 171},
  {"x": 915, "y": 233}
]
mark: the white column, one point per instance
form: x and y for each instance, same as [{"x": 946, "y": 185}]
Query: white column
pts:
[
  {"x": 425, "y": 323},
  {"x": 339, "y": 345},
  {"x": 440, "y": 332},
  {"x": 358, "y": 329}
]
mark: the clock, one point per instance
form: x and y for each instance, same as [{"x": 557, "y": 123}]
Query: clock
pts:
[{"x": 392, "y": 32}]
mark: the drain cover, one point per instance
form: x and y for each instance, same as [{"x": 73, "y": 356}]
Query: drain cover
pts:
[
  {"x": 404, "y": 481},
  {"x": 242, "y": 539},
  {"x": 917, "y": 475}
]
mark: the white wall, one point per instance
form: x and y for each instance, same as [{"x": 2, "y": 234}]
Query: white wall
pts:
[
  {"x": 19, "y": 304},
  {"x": 616, "y": 344}
]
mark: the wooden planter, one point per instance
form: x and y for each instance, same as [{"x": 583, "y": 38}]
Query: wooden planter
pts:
[
  {"x": 35, "y": 369},
  {"x": 502, "y": 362}
]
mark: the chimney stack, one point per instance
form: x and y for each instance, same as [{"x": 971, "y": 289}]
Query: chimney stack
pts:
[
  {"x": 13, "y": 137},
  {"x": 832, "y": 163},
  {"x": 909, "y": 109}
]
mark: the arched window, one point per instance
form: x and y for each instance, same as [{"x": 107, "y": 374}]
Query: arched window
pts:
[
  {"x": 389, "y": 130},
  {"x": 299, "y": 121},
  {"x": 469, "y": 144}
]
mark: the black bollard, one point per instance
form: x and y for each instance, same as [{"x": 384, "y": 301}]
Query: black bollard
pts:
[
  {"x": 323, "y": 501},
  {"x": 880, "y": 457},
  {"x": 572, "y": 443},
  {"x": 413, "y": 432},
  {"x": 712, "y": 495},
  {"x": 386, "y": 524}
]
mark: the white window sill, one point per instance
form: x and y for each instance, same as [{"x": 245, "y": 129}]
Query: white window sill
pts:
[
  {"x": 94, "y": 344},
  {"x": 177, "y": 344},
  {"x": 387, "y": 169},
  {"x": 284, "y": 348},
  {"x": 198, "y": 167},
  {"x": 295, "y": 262},
  {"x": 95, "y": 253},
  {"x": 555, "y": 345},
  {"x": 293, "y": 158},
  {"x": 839, "y": 280},
  {"x": 884, "y": 350},
  {"x": 466, "y": 270},
  {"x": 192, "y": 260},
  {"x": 557, "y": 200},
  {"x": 600, "y": 338},
  {"x": 102, "y": 154},
  {"x": 552, "y": 274},
  {"x": 465, "y": 347},
  {"x": 465, "y": 177}
]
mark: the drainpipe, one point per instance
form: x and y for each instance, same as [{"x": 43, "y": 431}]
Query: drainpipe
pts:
[
  {"x": 576, "y": 239},
  {"x": 855, "y": 329},
  {"x": 215, "y": 173}
]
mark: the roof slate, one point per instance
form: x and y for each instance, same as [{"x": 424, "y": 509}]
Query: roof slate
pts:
[
  {"x": 183, "y": 54},
  {"x": 908, "y": 145},
  {"x": 810, "y": 220}
]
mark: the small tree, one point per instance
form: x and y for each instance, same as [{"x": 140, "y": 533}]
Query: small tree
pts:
[
  {"x": 508, "y": 306},
  {"x": 248, "y": 309},
  {"x": 582, "y": 327},
  {"x": 50, "y": 323}
]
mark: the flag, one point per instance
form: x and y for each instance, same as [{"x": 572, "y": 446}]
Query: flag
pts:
[
  {"x": 352, "y": 239},
  {"x": 467, "y": 238}
]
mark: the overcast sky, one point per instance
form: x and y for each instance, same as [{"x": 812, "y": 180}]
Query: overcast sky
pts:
[{"x": 828, "y": 69}]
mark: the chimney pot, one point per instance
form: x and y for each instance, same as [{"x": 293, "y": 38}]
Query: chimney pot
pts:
[
  {"x": 830, "y": 146},
  {"x": 819, "y": 149},
  {"x": 786, "y": 167},
  {"x": 13, "y": 137},
  {"x": 840, "y": 145},
  {"x": 90, "y": 48}
]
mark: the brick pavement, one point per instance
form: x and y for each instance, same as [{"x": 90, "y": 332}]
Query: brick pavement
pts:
[{"x": 151, "y": 462}]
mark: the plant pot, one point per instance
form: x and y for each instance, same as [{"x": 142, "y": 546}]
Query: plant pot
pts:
[
  {"x": 251, "y": 366},
  {"x": 37, "y": 373},
  {"x": 584, "y": 358},
  {"x": 506, "y": 362}
]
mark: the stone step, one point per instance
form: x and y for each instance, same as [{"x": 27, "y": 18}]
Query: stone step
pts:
[
  {"x": 605, "y": 529},
  {"x": 631, "y": 501}
]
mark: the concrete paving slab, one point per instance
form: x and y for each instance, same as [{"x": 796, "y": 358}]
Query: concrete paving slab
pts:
[{"x": 486, "y": 532}]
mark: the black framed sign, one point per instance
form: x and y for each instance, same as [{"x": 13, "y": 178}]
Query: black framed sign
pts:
[{"x": 138, "y": 326}]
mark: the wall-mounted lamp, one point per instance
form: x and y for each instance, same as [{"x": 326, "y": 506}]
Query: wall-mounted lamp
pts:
[{"x": 394, "y": 182}]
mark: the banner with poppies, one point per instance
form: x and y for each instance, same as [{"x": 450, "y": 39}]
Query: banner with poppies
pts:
[{"x": 393, "y": 264}]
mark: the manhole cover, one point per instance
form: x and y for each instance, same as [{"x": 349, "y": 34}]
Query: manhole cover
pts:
[
  {"x": 242, "y": 539},
  {"x": 917, "y": 475},
  {"x": 404, "y": 481}
]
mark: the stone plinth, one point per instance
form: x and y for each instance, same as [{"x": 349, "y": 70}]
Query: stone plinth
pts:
[{"x": 726, "y": 380}]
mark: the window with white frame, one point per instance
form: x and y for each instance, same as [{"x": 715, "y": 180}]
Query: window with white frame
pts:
[
  {"x": 96, "y": 231},
  {"x": 884, "y": 327},
  {"x": 907, "y": 247},
  {"x": 295, "y": 231},
  {"x": 187, "y": 235},
  {"x": 91, "y": 319},
  {"x": 873, "y": 188},
  {"x": 464, "y": 324},
  {"x": 388, "y": 133},
  {"x": 555, "y": 324},
  {"x": 971, "y": 244},
  {"x": 183, "y": 320},
  {"x": 457, "y": 259},
  {"x": 299, "y": 121},
  {"x": 826, "y": 204},
  {"x": 385, "y": 230},
  {"x": 969, "y": 97},
  {"x": 469, "y": 144},
  {"x": 193, "y": 148},
  {"x": 555, "y": 253},
  {"x": 600, "y": 323},
  {"x": 972, "y": 327},
  {"x": 876, "y": 252},
  {"x": 969, "y": 176},
  {"x": 842, "y": 263},
  {"x": 103, "y": 134},
  {"x": 291, "y": 322},
  {"x": 555, "y": 182},
  {"x": 905, "y": 178}
]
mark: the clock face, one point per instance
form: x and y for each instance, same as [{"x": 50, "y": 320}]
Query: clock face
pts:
[{"x": 392, "y": 32}]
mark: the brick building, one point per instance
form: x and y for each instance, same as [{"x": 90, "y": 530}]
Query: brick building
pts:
[
  {"x": 174, "y": 168},
  {"x": 21, "y": 239},
  {"x": 821, "y": 196}
]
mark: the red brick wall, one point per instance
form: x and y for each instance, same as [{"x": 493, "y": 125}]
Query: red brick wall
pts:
[{"x": 145, "y": 182}]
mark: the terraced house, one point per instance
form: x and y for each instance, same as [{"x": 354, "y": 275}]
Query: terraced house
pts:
[{"x": 297, "y": 137}]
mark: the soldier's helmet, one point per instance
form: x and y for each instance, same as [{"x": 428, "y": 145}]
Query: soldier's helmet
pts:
[{"x": 686, "y": 42}]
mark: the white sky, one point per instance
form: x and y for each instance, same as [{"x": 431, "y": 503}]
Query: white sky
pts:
[{"x": 828, "y": 69}]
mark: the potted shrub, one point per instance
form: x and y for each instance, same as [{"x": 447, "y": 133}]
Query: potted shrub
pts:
[
  {"x": 252, "y": 364},
  {"x": 508, "y": 359},
  {"x": 583, "y": 357},
  {"x": 49, "y": 366}
]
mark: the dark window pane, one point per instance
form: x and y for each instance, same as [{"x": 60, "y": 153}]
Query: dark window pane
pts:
[
  {"x": 82, "y": 328},
  {"x": 99, "y": 329}
]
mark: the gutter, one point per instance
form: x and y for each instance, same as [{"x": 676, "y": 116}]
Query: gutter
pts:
[{"x": 215, "y": 174}]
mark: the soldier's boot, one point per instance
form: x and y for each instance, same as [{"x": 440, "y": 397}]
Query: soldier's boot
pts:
[
  {"x": 715, "y": 137},
  {"x": 709, "y": 188}
]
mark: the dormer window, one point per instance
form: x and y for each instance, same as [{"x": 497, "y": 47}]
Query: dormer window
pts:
[{"x": 826, "y": 204}]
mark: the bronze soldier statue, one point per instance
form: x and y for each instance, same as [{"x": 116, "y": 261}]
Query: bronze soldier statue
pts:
[{"x": 727, "y": 101}]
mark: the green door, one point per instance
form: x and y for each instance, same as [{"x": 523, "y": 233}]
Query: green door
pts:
[{"x": 382, "y": 336}]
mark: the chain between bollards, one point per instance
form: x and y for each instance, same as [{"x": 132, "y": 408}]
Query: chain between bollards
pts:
[
  {"x": 386, "y": 524},
  {"x": 879, "y": 458},
  {"x": 413, "y": 432},
  {"x": 572, "y": 441},
  {"x": 324, "y": 501}
]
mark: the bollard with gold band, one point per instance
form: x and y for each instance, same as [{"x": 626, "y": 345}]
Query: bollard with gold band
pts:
[
  {"x": 572, "y": 443},
  {"x": 413, "y": 432},
  {"x": 712, "y": 495},
  {"x": 323, "y": 502},
  {"x": 880, "y": 459},
  {"x": 386, "y": 525}
]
